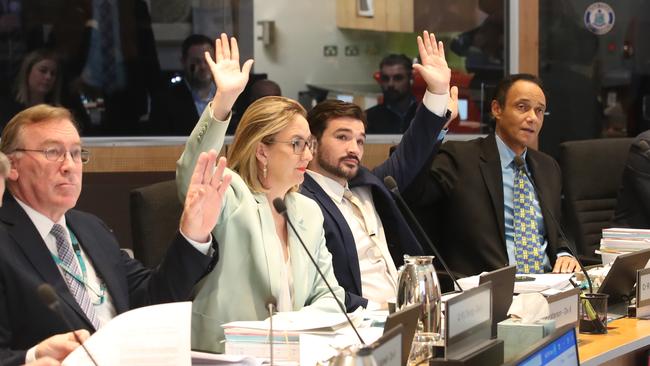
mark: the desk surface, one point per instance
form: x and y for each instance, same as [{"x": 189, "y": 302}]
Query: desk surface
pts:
[{"x": 623, "y": 336}]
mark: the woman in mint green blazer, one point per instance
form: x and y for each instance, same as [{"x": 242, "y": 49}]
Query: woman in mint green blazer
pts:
[{"x": 259, "y": 256}]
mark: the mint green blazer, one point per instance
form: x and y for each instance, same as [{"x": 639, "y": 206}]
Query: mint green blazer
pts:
[{"x": 247, "y": 272}]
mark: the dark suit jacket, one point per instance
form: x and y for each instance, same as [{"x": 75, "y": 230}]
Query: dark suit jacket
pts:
[
  {"x": 25, "y": 263},
  {"x": 461, "y": 203},
  {"x": 411, "y": 155},
  {"x": 633, "y": 202},
  {"x": 178, "y": 114}
]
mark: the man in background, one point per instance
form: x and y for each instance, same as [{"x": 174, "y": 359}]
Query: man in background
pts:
[
  {"x": 394, "y": 115},
  {"x": 190, "y": 92}
]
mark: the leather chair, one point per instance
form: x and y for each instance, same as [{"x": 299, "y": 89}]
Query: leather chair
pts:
[
  {"x": 155, "y": 216},
  {"x": 591, "y": 176}
]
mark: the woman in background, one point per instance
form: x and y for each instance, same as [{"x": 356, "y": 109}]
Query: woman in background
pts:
[
  {"x": 38, "y": 81},
  {"x": 259, "y": 257}
]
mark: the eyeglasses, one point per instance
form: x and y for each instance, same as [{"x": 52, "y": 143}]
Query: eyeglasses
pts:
[
  {"x": 298, "y": 143},
  {"x": 78, "y": 155}
]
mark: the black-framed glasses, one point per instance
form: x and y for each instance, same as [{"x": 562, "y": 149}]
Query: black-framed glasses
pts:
[
  {"x": 57, "y": 154},
  {"x": 298, "y": 143}
]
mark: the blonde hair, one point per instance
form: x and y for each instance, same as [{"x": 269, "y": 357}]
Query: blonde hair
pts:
[
  {"x": 260, "y": 123},
  {"x": 11, "y": 135},
  {"x": 21, "y": 86},
  {"x": 5, "y": 165}
]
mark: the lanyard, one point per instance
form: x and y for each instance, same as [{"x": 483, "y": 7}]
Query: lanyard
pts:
[{"x": 82, "y": 264}]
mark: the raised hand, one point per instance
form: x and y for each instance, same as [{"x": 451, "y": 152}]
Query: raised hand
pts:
[
  {"x": 230, "y": 77},
  {"x": 205, "y": 196},
  {"x": 433, "y": 67}
]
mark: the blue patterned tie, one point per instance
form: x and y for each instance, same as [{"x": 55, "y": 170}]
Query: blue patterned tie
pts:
[
  {"x": 528, "y": 247},
  {"x": 77, "y": 289}
]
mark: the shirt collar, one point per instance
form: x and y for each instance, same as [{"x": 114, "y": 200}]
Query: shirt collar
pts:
[
  {"x": 506, "y": 154},
  {"x": 43, "y": 223},
  {"x": 333, "y": 188}
]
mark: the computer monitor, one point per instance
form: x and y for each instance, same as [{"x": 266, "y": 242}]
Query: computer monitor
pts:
[
  {"x": 620, "y": 280},
  {"x": 559, "y": 348}
]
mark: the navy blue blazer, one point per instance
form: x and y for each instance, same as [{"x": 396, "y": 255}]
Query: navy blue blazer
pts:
[
  {"x": 25, "y": 263},
  {"x": 418, "y": 145}
]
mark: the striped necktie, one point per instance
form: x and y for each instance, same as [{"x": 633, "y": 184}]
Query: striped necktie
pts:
[{"x": 77, "y": 289}]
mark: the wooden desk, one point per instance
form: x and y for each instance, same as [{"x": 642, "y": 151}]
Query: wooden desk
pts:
[{"x": 625, "y": 343}]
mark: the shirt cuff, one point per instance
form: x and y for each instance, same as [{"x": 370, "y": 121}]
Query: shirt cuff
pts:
[
  {"x": 436, "y": 103},
  {"x": 375, "y": 306},
  {"x": 212, "y": 114},
  {"x": 442, "y": 134},
  {"x": 30, "y": 356},
  {"x": 564, "y": 254},
  {"x": 205, "y": 248}
]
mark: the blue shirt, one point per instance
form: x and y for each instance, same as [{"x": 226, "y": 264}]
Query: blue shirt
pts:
[
  {"x": 200, "y": 103},
  {"x": 508, "y": 170}
]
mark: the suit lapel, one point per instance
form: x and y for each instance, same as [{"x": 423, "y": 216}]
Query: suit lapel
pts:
[
  {"x": 330, "y": 208},
  {"x": 493, "y": 178},
  {"x": 95, "y": 250},
  {"x": 542, "y": 184},
  {"x": 300, "y": 262},
  {"x": 269, "y": 242},
  {"x": 29, "y": 240}
]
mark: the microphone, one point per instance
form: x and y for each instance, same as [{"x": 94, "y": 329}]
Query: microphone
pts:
[
  {"x": 519, "y": 162},
  {"x": 281, "y": 208},
  {"x": 49, "y": 297},
  {"x": 391, "y": 184},
  {"x": 271, "y": 303}
]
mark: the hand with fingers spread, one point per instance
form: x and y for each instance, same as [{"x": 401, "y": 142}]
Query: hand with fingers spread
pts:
[
  {"x": 228, "y": 75},
  {"x": 205, "y": 197},
  {"x": 433, "y": 67}
]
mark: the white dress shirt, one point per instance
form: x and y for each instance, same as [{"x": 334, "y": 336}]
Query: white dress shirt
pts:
[{"x": 378, "y": 272}]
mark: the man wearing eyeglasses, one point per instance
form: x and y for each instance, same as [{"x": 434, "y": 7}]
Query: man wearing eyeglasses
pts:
[
  {"x": 364, "y": 229},
  {"x": 395, "y": 114},
  {"x": 44, "y": 240}
]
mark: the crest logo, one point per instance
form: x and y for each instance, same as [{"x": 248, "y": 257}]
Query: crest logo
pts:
[{"x": 599, "y": 18}]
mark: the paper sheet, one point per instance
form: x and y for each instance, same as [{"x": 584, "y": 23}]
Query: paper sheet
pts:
[{"x": 156, "y": 335}]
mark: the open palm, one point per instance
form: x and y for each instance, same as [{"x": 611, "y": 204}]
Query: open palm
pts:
[
  {"x": 433, "y": 67},
  {"x": 226, "y": 71}
]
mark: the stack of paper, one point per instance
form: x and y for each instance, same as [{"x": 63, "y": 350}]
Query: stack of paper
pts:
[
  {"x": 252, "y": 337},
  {"x": 616, "y": 241}
]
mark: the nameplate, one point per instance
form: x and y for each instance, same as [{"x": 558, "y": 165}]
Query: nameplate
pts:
[
  {"x": 387, "y": 351},
  {"x": 643, "y": 293},
  {"x": 471, "y": 308},
  {"x": 563, "y": 307}
]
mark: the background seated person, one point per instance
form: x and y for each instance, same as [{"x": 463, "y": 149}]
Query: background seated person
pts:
[
  {"x": 480, "y": 209},
  {"x": 394, "y": 115},
  {"x": 43, "y": 239},
  {"x": 260, "y": 257}
]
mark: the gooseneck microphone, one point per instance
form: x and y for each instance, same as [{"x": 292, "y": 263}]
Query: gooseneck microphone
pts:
[
  {"x": 391, "y": 184},
  {"x": 49, "y": 297},
  {"x": 281, "y": 208},
  {"x": 271, "y": 303},
  {"x": 521, "y": 165}
]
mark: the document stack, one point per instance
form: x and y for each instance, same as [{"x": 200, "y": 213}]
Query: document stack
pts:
[{"x": 616, "y": 241}]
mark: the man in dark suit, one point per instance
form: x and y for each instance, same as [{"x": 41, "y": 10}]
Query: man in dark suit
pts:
[
  {"x": 189, "y": 93},
  {"x": 44, "y": 240},
  {"x": 365, "y": 231},
  {"x": 633, "y": 202},
  {"x": 469, "y": 193}
]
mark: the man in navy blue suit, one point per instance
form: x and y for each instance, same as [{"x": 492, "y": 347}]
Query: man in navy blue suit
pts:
[
  {"x": 44, "y": 240},
  {"x": 365, "y": 231}
]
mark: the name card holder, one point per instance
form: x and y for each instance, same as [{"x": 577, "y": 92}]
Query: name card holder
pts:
[
  {"x": 563, "y": 307},
  {"x": 643, "y": 293},
  {"x": 468, "y": 330}
]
